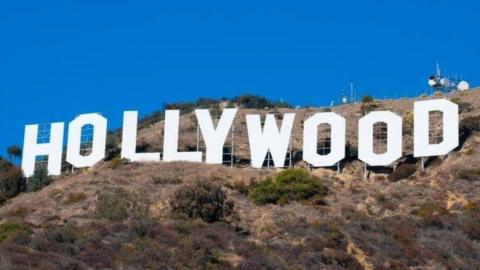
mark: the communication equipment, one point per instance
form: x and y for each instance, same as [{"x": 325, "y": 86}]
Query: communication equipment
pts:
[
  {"x": 346, "y": 98},
  {"x": 463, "y": 86},
  {"x": 445, "y": 84}
]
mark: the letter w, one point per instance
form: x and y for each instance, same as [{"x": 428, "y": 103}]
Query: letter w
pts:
[{"x": 270, "y": 139}]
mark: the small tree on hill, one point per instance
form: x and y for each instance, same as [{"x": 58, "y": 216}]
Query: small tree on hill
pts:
[
  {"x": 203, "y": 200},
  {"x": 12, "y": 182},
  {"x": 367, "y": 99},
  {"x": 14, "y": 151},
  {"x": 38, "y": 180}
]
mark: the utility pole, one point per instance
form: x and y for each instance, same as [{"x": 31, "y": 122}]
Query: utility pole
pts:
[{"x": 352, "y": 95}]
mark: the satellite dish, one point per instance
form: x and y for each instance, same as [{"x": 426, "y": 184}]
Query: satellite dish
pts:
[
  {"x": 445, "y": 82},
  {"x": 432, "y": 82},
  {"x": 463, "y": 86}
]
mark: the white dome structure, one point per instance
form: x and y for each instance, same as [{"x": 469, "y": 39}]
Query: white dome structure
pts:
[{"x": 463, "y": 86}]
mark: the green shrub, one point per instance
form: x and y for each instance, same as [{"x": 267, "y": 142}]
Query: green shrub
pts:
[
  {"x": 201, "y": 200},
  {"x": 10, "y": 229},
  {"x": 38, "y": 180},
  {"x": 266, "y": 191},
  {"x": 289, "y": 185},
  {"x": 139, "y": 211},
  {"x": 121, "y": 205},
  {"x": 112, "y": 205}
]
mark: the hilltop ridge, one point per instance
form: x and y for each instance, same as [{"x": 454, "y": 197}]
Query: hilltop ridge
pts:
[{"x": 150, "y": 135}]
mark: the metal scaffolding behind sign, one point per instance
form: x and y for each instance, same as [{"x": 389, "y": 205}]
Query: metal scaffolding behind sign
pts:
[
  {"x": 435, "y": 130},
  {"x": 228, "y": 157},
  {"x": 380, "y": 143},
  {"x": 324, "y": 142},
  {"x": 380, "y": 137},
  {"x": 268, "y": 162},
  {"x": 86, "y": 140},
  {"x": 43, "y": 136},
  {"x": 435, "y": 127}
]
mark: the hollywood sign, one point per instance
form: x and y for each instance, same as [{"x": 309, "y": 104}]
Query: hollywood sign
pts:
[{"x": 269, "y": 138}]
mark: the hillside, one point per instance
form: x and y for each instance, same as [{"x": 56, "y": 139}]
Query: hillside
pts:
[{"x": 122, "y": 215}]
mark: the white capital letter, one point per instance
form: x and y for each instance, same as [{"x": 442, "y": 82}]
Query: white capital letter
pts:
[
  {"x": 215, "y": 138},
  {"x": 337, "y": 137},
  {"x": 421, "y": 145},
  {"x": 270, "y": 139},
  {"x": 170, "y": 143},
  {"x": 99, "y": 124},
  {"x": 394, "y": 138},
  {"x": 129, "y": 140},
  {"x": 52, "y": 149}
]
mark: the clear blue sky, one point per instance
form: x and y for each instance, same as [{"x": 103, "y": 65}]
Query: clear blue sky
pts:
[{"x": 62, "y": 58}]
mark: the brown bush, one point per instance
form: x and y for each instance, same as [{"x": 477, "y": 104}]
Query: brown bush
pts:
[
  {"x": 469, "y": 125},
  {"x": 117, "y": 162},
  {"x": 462, "y": 106},
  {"x": 12, "y": 182},
  {"x": 402, "y": 171},
  {"x": 368, "y": 107},
  {"x": 112, "y": 205},
  {"x": 121, "y": 205},
  {"x": 19, "y": 212},
  {"x": 75, "y": 197},
  {"x": 163, "y": 180},
  {"x": 468, "y": 174},
  {"x": 431, "y": 214},
  {"x": 240, "y": 186},
  {"x": 201, "y": 200}
]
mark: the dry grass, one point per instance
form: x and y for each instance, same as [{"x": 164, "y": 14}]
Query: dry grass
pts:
[{"x": 75, "y": 197}]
